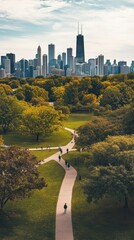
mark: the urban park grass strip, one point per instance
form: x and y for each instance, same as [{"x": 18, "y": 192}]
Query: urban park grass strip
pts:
[
  {"x": 34, "y": 218},
  {"x": 104, "y": 220}
]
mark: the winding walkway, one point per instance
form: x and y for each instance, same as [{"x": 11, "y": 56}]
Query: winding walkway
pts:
[{"x": 64, "y": 229}]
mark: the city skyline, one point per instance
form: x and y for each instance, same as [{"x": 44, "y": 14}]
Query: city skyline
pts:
[{"x": 107, "y": 27}]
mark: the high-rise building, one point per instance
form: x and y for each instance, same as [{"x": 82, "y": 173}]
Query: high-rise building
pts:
[
  {"x": 3, "y": 58},
  {"x": 80, "y": 53},
  {"x": 132, "y": 66},
  {"x": 11, "y": 56},
  {"x": 59, "y": 61},
  {"x": 7, "y": 66},
  {"x": 100, "y": 65},
  {"x": 51, "y": 53},
  {"x": 114, "y": 67},
  {"x": 107, "y": 67},
  {"x": 92, "y": 65},
  {"x": 44, "y": 66},
  {"x": 69, "y": 56},
  {"x": 39, "y": 59},
  {"x": 2, "y": 73},
  {"x": 24, "y": 67},
  {"x": 121, "y": 65},
  {"x": 64, "y": 58}
]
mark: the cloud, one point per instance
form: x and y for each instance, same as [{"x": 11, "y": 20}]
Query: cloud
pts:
[{"x": 107, "y": 26}]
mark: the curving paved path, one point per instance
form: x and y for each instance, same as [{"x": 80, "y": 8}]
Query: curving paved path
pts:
[{"x": 64, "y": 229}]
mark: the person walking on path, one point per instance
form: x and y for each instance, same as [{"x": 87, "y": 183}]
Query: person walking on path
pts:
[
  {"x": 68, "y": 165},
  {"x": 59, "y": 157},
  {"x": 65, "y": 208},
  {"x": 67, "y": 150},
  {"x": 61, "y": 150}
]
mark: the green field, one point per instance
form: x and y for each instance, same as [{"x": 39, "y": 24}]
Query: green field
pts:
[
  {"x": 77, "y": 119},
  {"x": 34, "y": 218},
  {"x": 60, "y": 137},
  {"x": 41, "y": 155},
  {"x": 105, "y": 220}
]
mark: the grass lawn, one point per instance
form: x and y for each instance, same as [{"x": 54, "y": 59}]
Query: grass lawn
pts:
[
  {"x": 41, "y": 155},
  {"x": 78, "y": 119},
  {"x": 105, "y": 220},
  {"x": 60, "y": 137},
  {"x": 34, "y": 218}
]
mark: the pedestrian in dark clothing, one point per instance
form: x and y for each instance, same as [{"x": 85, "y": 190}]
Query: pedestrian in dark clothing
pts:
[
  {"x": 68, "y": 165},
  {"x": 66, "y": 162},
  {"x": 59, "y": 157},
  {"x": 65, "y": 208},
  {"x": 61, "y": 150},
  {"x": 67, "y": 150}
]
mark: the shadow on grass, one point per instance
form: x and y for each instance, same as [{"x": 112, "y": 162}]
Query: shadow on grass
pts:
[{"x": 16, "y": 225}]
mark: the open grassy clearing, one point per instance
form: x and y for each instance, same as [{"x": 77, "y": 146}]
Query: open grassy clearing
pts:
[
  {"x": 78, "y": 119},
  {"x": 41, "y": 155},
  {"x": 105, "y": 220},
  {"x": 34, "y": 218},
  {"x": 59, "y": 137}
]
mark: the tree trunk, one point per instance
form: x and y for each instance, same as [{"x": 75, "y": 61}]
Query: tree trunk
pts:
[
  {"x": 4, "y": 130},
  {"x": 126, "y": 201},
  {"x": 37, "y": 137}
]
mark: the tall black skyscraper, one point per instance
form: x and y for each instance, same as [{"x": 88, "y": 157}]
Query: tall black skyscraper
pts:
[
  {"x": 80, "y": 54},
  {"x": 11, "y": 56}
]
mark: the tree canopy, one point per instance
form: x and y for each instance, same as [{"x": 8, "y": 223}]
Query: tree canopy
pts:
[
  {"x": 10, "y": 111},
  {"x": 40, "y": 120},
  {"x": 18, "y": 174},
  {"x": 111, "y": 169}
]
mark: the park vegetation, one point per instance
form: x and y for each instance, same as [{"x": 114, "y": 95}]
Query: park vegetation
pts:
[
  {"x": 38, "y": 106},
  {"x": 18, "y": 174}
]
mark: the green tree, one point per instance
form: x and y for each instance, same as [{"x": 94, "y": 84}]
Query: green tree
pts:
[
  {"x": 127, "y": 93},
  {"x": 6, "y": 89},
  {"x": 18, "y": 174},
  {"x": 97, "y": 86},
  {"x": 128, "y": 120},
  {"x": 30, "y": 92},
  {"x": 89, "y": 98},
  {"x": 111, "y": 169},
  {"x": 40, "y": 120},
  {"x": 71, "y": 95},
  {"x": 58, "y": 92},
  {"x": 14, "y": 84},
  {"x": 95, "y": 131},
  {"x": 10, "y": 111},
  {"x": 111, "y": 96}
]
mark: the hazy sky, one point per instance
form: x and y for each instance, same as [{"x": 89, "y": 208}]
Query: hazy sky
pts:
[{"x": 108, "y": 27}]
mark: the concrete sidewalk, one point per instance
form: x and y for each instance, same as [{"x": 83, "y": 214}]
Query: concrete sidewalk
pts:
[{"x": 64, "y": 229}]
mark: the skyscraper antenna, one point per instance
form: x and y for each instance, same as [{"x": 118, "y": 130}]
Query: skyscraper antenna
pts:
[
  {"x": 78, "y": 28},
  {"x": 81, "y": 29}
]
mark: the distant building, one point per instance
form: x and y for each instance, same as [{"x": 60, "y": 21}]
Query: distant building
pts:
[
  {"x": 3, "y": 58},
  {"x": 44, "y": 66},
  {"x": 107, "y": 67},
  {"x": 39, "y": 59},
  {"x": 92, "y": 66},
  {"x": 11, "y": 56},
  {"x": 51, "y": 54},
  {"x": 2, "y": 73},
  {"x": 64, "y": 58},
  {"x": 80, "y": 53},
  {"x": 100, "y": 65},
  {"x": 69, "y": 57},
  {"x": 114, "y": 68},
  {"x": 7, "y": 66},
  {"x": 121, "y": 64},
  {"x": 132, "y": 67}
]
